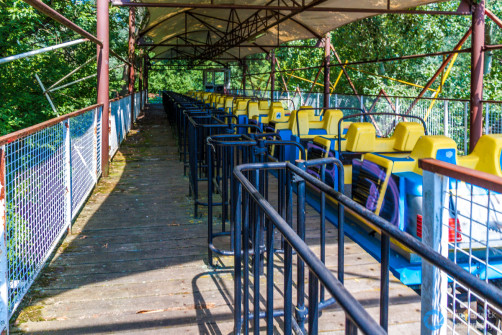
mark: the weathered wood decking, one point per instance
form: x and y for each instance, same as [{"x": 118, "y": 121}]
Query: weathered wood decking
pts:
[{"x": 136, "y": 261}]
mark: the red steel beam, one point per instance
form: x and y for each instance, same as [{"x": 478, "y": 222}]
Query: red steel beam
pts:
[
  {"x": 493, "y": 17},
  {"x": 103, "y": 50},
  {"x": 327, "y": 61},
  {"x": 185, "y": 45},
  {"x": 284, "y": 8},
  {"x": 6, "y": 139},
  {"x": 132, "y": 30},
  {"x": 477, "y": 73},
  {"x": 440, "y": 70},
  {"x": 475, "y": 177},
  {"x": 55, "y": 15},
  {"x": 272, "y": 75}
]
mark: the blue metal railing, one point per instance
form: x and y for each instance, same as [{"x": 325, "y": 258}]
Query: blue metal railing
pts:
[{"x": 254, "y": 216}]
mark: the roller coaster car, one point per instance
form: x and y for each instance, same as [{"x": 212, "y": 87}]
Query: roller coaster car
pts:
[
  {"x": 220, "y": 102},
  {"x": 390, "y": 185},
  {"x": 276, "y": 113},
  {"x": 239, "y": 109},
  {"x": 303, "y": 125},
  {"x": 361, "y": 138},
  {"x": 228, "y": 105},
  {"x": 213, "y": 99},
  {"x": 206, "y": 96}
]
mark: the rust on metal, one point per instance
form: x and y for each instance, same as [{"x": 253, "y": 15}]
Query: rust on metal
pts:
[
  {"x": 286, "y": 8},
  {"x": 103, "y": 52},
  {"x": 327, "y": 62},
  {"x": 47, "y": 10},
  {"x": 477, "y": 74},
  {"x": 475, "y": 177},
  {"x": 441, "y": 68}
]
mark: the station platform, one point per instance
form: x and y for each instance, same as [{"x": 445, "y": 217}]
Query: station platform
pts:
[{"x": 136, "y": 259}]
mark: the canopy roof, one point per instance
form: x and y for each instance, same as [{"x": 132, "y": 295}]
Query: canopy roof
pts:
[{"x": 225, "y": 30}]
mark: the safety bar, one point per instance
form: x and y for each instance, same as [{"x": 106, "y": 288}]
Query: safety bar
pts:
[{"x": 339, "y": 139}]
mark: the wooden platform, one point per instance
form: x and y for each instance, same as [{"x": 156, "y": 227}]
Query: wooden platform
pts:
[{"x": 136, "y": 261}]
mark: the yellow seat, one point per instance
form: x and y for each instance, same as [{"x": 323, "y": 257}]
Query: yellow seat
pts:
[
  {"x": 205, "y": 97},
  {"x": 486, "y": 156},
  {"x": 330, "y": 120},
  {"x": 253, "y": 109},
  {"x": 220, "y": 101},
  {"x": 228, "y": 104},
  {"x": 240, "y": 107},
  {"x": 275, "y": 114},
  {"x": 299, "y": 120}
]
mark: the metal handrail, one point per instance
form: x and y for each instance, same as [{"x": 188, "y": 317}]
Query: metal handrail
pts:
[
  {"x": 339, "y": 137},
  {"x": 480, "y": 287},
  {"x": 354, "y": 310},
  {"x": 492, "y": 293},
  {"x": 43, "y": 125},
  {"x": 471, "y": 176}
]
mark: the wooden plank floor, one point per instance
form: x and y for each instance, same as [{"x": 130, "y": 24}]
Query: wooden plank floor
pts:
[{"x": 136, "y": 261}]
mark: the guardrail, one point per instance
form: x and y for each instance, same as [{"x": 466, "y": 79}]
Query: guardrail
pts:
[
  {"x": 463, "y": 221},
  {"x": 255, "y": 220},
  {"x": 47, "y": 171}
]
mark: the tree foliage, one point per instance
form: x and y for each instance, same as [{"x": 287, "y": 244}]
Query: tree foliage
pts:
[{"x": 23, "y": 29}]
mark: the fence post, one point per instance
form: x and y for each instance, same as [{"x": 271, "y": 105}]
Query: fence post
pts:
[
  {"x": 67, "y": 175},
  {"x": 466, "y": 111},
  {"x": 487, "y": 119},
  {"x": 336, "y": 100},
  {"x": 4, "y": 275},
  {"x": 446, "y": 119},
  {"x": 95, "y": 144},
  {"x": 435, "y": 235}
]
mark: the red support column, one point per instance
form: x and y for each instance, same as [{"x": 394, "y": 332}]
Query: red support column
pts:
[
  {"x": 244, "y": 71},
  {"x": 132, "y": 28},
  {"x": 102, "y": 16},
  {"x": 327, "y": 61},
  {"x": 145, "y": 81},
  {"x": 272, "y": 75},
  {"x": 477, "y": 68}
]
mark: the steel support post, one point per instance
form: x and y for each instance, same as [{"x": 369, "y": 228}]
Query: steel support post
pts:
[
  {"x": 103, "y": 29},
  {"x": 132, "y": 28},
  {"x": 244, "y": 71},
  {"x": 272, "y": 75},
  {"x": 67, "y": 174},
  {"x": 477, "y": 68},
  {"x": 145, "y": 82},
  {"x": 435, "y": 235},
  {"x": 327, "y": 61}
]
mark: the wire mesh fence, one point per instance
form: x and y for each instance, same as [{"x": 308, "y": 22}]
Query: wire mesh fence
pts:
[
  {"x": 46, "y": 176},
  {"x": 120, "y": 116},
  {"x": 470, "y": 234},
  {"x": 35, "y": 190}
]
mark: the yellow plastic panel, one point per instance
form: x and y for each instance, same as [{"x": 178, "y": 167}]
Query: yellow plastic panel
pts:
[
  {"x": 361, "y": 137},
  {"x": 406, "y": 135}
]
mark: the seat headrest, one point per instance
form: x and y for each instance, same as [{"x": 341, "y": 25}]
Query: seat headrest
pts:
[{"x": 406, "y": 135}]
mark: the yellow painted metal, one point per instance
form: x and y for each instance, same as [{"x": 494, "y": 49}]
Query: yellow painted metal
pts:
[
  {"x": 307, "y": 80},
  {"x": 338, "y": 78},
  {"x": 389, "y": 78},
  {"x": 440, "y": 88}
]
